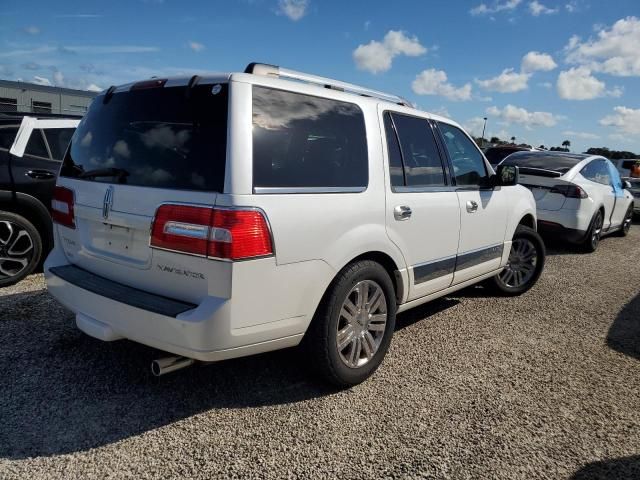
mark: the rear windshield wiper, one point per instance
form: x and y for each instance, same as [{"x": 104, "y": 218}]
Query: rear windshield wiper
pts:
[{"x": 119, "y": 173}]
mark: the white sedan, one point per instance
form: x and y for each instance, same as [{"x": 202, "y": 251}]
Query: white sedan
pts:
[{"x": 578, "y": 197}]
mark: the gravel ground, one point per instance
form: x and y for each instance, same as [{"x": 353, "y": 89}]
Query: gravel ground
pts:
[{"x": 546, "y": 385}]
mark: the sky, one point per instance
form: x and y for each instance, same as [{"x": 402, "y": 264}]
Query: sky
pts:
[{"x": 543, "y": 71}]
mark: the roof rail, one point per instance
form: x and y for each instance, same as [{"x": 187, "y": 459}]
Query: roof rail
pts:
[{"x": 279, "y": 72}]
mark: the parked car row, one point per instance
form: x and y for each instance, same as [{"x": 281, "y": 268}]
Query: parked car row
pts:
[{"x": 222, "y": 216}]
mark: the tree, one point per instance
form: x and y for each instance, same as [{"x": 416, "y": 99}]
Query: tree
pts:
[
  {"x": 542, "y": 147},
  {"x": 513, "y": 140},
  {"x": 495, "y": 140},
  {"x": 566, "y": 144}
]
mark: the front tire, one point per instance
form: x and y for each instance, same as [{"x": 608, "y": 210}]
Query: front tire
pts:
[
  {"x": 20, "y": 248},
  {"x": 526, "y": 262},
  {"x": 352, "y": 329},
  {"x": 626, "y": 223}
]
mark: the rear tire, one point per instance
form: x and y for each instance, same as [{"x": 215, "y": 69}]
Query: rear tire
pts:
[
  {"x": 352, "y": 328},
  {"x": 526, "y": 262},
  {"x": 626, "y": 223},
  {"x": 592, "y": 240},
  {"x": 20, "y": 248}
]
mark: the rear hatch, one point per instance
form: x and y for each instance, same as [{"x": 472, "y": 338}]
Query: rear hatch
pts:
[
  {"x": 138, "y": 147},
  {"x": 544, "y": 175}
]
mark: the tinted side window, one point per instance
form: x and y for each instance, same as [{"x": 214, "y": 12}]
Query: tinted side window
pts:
[
  {"x": 58, "y": 139},
  {"x": 597, "y": 171},
  {"x": 7, "y": 136},
  {"x": 304, "y": 141},
  {"x": 35, "y": 145},
  {"x": 395, "y": 156},
  {"x": 422, "y": 163},
  {"x": 468, "y": 164}
]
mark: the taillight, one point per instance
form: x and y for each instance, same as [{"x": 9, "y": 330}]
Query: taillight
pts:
[
  {"x": 569, "y": 191},
  {"x": 232, "y": 234},
  {"x": 62, "y": 207}
]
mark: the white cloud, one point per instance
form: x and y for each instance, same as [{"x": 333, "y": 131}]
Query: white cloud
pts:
[
  {"x": 434, "y": 82},
  {"x": 579, "y": 84},
  {"x": 102, "y": 49},
  {"x": 32, "y": 30},
  {"x": 58, "y": 78},
  {"x": 508, "y": 81},
  {"x": 512, "y": 114},
  {"x": 546, "y": 85},
  {"x": 625, "y": 120},
  {"x": 41, "y": 81},
  {"x": 536, "y": 61},
  {"x": 294, "y": 9},
  {"x": 196, "y": 46},
  {"x": 572, "y": 6},
  {"x": 583, "y": 135},
  {"x": 376, "y": 57},
  {"x": 614, "y": 51},
  {"x": 536, "y": 9},
  {"x": 92, "y": 87},
  {"x": 442, "y": 111},
  {"x": 497, "y": 6}
]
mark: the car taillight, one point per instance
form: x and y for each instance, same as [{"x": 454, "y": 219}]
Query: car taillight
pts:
[
  {"x": 62, "y": 207},
  {"x": 232, "y": 234},
  {"x": 569, "y": 191}
]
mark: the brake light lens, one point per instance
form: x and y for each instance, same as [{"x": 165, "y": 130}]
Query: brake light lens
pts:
[
  {"x": 570, "y": 191},
  {"x": 62, "y": 207},
  {"x": 233, "y": 234}
]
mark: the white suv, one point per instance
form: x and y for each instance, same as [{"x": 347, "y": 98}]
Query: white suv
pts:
[{"x": 218, "y": 217}]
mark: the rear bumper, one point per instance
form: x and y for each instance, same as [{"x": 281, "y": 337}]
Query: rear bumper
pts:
[
  {"x": 210, "y": 331},
  {"x": 555, "y": 230}
]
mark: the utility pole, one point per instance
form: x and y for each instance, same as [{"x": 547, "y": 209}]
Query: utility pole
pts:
[{"x": 483, "y": 129}]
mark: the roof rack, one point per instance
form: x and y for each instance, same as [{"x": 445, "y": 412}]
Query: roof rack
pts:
[{"x": 279, "y": 72}]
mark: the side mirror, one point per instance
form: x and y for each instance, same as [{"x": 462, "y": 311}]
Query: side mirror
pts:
[
  {"x": 626, "y": 184},
  {"x": 507, "y": 175}
]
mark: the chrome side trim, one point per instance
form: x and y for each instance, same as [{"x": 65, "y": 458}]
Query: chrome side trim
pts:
[
  {"x": 427, "y": 271},
  {"x": 277, "y": 190},
  {"x": 471, "y": 259},
  {"x": 430, "y": 271}
]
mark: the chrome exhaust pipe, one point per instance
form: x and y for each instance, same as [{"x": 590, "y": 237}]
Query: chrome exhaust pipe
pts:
[{"x": 165, "y": 365}]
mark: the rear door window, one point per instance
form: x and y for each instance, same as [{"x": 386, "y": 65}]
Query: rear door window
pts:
[
  {"x": 166, "y": 137},
  {"x": 597, "y": 171},
  {"x": 420, "y": 156},
  {"x": 302, "y": 141},
  {"x": 36, "y": 146},
  {"x": 58, "y": 140}
]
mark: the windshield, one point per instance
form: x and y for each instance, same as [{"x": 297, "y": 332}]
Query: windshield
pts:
[
  {"x": 544, "y": 161},
  {"x": 169, "y": 137}
]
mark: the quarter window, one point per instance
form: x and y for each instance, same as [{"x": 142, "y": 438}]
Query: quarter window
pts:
[
  {"x": 420, "y": 156},
  {"x": 597, "y": 171},
  {"x": 301, "y": 141},
  {"x": 469, "y": 168},
  {"x": 395, "y": 155}
]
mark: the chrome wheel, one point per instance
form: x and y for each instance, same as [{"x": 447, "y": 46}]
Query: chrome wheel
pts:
[
  {"x": 597, "y": 231},
  {"x": 361, "y": 323},
  {"x": 16, "y": 249},
  {"x": 626, "y": 225},
  {"x": 523, "y": 259}
]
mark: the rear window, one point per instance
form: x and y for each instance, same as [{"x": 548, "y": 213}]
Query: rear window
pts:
[
  {"x": 302, "y": 141},
  {"x": 496, "y": 155},
  {"x": 58, "y": 139},
  {"x": 541, "y": 161},
  {"x": 166, "y": 137}
]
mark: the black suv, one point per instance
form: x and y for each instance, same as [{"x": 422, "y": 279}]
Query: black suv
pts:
[{"x": 31, "y": 149}]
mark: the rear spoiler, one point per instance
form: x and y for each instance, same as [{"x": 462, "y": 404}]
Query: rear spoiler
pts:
[{"x": 540, "y": 172}]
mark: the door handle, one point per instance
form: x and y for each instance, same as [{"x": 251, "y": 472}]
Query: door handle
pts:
[
  {"x": 40, "y": 174},
  {"x": 402, "y": 212},
  {"x": 472, "y": 206}
]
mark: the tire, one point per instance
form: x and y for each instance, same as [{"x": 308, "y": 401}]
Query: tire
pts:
[
  {"x": 366, "y": 338},
  {"x": 592, "y": 239},
  {"x": 626, "y": 223},
  {"x": 526, "y": 262},
  {"x": 20, "y": 248}
]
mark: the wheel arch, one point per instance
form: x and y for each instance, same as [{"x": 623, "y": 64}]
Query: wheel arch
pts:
[{"x": 33, "y": 210}]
